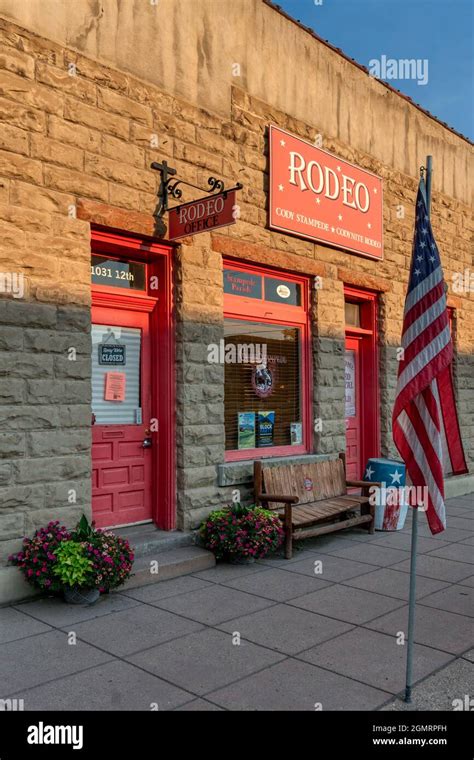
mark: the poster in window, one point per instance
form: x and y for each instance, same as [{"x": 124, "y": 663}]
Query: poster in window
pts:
[
  {"x": 265, "y": 428},
  {"x": 349, "y": 378},
  {"x": 114, "y": 386},
  {"x": 246, "y": 430},
  {"x": 296, "y": 433},
  {"x": 263, "y": 380}
]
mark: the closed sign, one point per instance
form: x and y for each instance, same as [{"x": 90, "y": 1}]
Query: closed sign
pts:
[{"x": 112, "y": 354}]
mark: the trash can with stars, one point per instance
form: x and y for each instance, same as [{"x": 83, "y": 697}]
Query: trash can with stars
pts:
[{"x": 391, "y": 506}]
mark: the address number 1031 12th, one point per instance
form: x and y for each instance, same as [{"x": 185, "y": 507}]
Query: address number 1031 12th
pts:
[{"x": 117, "y": 274}]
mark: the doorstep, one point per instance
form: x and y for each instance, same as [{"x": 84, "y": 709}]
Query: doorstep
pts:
[{"x": 161, "y": 555}]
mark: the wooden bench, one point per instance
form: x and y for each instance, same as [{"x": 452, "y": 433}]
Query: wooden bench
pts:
[{"x": 314, "y": 496}]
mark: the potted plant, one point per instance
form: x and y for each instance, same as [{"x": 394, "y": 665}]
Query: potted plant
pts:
[
  {"x": 75, "y": 572},
  {"x": 82, "y": 564},
  {"x": 242, "y": 534}
]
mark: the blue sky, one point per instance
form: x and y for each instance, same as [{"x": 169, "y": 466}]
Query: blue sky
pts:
[{"x": 440, "y": 31}]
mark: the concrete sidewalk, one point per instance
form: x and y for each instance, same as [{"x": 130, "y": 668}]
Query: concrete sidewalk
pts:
[{"x": 274, "y": 635}]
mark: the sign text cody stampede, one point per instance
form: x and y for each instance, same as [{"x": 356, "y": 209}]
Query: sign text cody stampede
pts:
[{"x": 318, "y": 196}]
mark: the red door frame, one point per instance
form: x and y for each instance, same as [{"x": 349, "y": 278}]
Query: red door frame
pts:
[
  {"x": 159, "y": 257},
  {"x": 239, "y": 307},
  {"x": 369, "y": 369}
]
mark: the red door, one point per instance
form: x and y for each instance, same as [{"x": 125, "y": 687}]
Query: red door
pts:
[
  {"x": 353, "y": 408},
  {"x": 121, "y": 407}
]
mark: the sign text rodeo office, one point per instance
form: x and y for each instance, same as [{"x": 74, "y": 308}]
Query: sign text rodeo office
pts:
[{"x": 318, "y": 196}]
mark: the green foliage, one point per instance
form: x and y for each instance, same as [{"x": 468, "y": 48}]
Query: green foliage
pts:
[
  {"x": 72, "y": 566},
  {"x": 242, "y": 532}
]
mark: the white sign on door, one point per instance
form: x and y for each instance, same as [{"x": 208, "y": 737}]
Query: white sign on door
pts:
[{"x": 349, "y": 377}]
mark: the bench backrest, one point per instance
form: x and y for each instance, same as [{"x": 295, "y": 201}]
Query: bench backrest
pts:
[{"x": 310, "y": 482}]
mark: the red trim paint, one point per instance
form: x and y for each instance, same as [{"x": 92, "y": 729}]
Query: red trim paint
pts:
[
  {"x": 159, "y": 259},
  {"x": 369, "y": 370},
  {"x": 239, "y": 307}
]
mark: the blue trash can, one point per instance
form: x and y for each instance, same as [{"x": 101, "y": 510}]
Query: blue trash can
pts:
[{"x": 391, "y": 506}]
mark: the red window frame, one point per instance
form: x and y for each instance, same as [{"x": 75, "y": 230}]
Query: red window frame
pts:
[
  {"x": 252, "y": 309},
  {"x": 369, "y": 355}
]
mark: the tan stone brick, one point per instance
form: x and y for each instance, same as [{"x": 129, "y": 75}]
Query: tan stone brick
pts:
[
  {"x": 216, "y": 143},
  {"x": 150, "y": 96},
  {"x": 13, "y": 165},
  {"x": 119, "y": 150},
  {"x": 111, "y": 216},
  {"x": 75, "y": 134},
  {"x": 92, "y": 117},
  {"x": 26, "y": 92},
  {"x": 61, "y": 79},
  {"x": 243, "y": 136},
  {"x": 14, "y": 139},
  {"x": 148, "y": 202},
  {"x": 24, "y": 117},
  {"x": 171, "y": 125},
  {"x": 39, "y": 198},
  {"x": 198, "y": 157},
  {"x": 98, "y": 73},
  {"x": 56, "y": 152},
  {"x": 125, "y": 197},
  {"x": 25, "y": 219},
  {"x": 70, "y": 181},
  {"x": 197, "y": 116},
  {"x": 17, "y": 62},
  {"x": 4, "y": 190},
  {"x": 113, "y": 170},
  {"x": 111, "y": 101},
  {"x": 41, "y": 49}
]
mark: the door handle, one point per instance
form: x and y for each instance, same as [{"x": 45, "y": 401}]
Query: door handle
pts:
[{"x": 147, "y": 443}]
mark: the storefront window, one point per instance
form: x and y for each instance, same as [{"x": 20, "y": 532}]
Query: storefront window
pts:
[
  {"x": 262, "y": 385},
  {"x": 265, "y": 341}
]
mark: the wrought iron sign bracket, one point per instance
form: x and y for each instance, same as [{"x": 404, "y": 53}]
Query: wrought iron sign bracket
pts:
[{"x": 170, "y": 188}]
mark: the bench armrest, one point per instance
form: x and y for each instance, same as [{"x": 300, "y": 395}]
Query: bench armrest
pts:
[
  {"x": 362, "y": 483},
  {"x": 278, "y": 498}
]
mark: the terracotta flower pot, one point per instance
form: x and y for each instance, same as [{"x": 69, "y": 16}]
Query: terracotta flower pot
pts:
[{"x": 81, "y": 595}]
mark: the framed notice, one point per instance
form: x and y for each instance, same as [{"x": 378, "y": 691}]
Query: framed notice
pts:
[
  {"x": 349, "y": 380},
  {"x": 114, "y": 389},
  {"x": 246, "y": 430},
  {"x": 296, "y": 433}
]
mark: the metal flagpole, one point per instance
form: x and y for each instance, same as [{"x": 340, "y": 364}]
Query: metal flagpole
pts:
[{"x": 414, "y": 527}]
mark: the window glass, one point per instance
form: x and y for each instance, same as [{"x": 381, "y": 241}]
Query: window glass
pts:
[
  {"x": 352, "y": 314},
  {"x": 116, "y": 375},
  {"x": 118, "y": 274},
  {"x": 282, "y": 291},
  {"x": 245, "y": 284},
  {"x": 262, "y": 385}
]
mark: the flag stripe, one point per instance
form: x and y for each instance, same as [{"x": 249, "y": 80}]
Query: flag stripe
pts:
[{"x": 425, "y": 425}]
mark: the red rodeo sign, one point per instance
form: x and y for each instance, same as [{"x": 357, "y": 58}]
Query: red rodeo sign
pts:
[
  {"x": 203, "y": 215},
  {"x": 318, "y": 196}
]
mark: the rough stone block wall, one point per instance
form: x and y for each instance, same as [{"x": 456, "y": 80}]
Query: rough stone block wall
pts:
[{"x": 76, "y": 148}]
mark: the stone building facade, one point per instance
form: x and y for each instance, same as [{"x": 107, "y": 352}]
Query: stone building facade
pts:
[{"x": 88, "y": 100}]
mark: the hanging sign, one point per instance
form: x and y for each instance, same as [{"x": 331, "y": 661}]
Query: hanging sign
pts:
[
  {"x": 318, "y": 196},
  {"x": 203, "y": 215},
  {"x": 114, "y": 386},
  {"x": 112, "y": 353}
]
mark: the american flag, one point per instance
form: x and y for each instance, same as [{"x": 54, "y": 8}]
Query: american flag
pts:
[{"x": 425, "y": 423}]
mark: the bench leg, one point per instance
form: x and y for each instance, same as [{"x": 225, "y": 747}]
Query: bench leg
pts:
[
  {"x": 371, "y": 524},
  {"x": 288, "y": 533}
]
